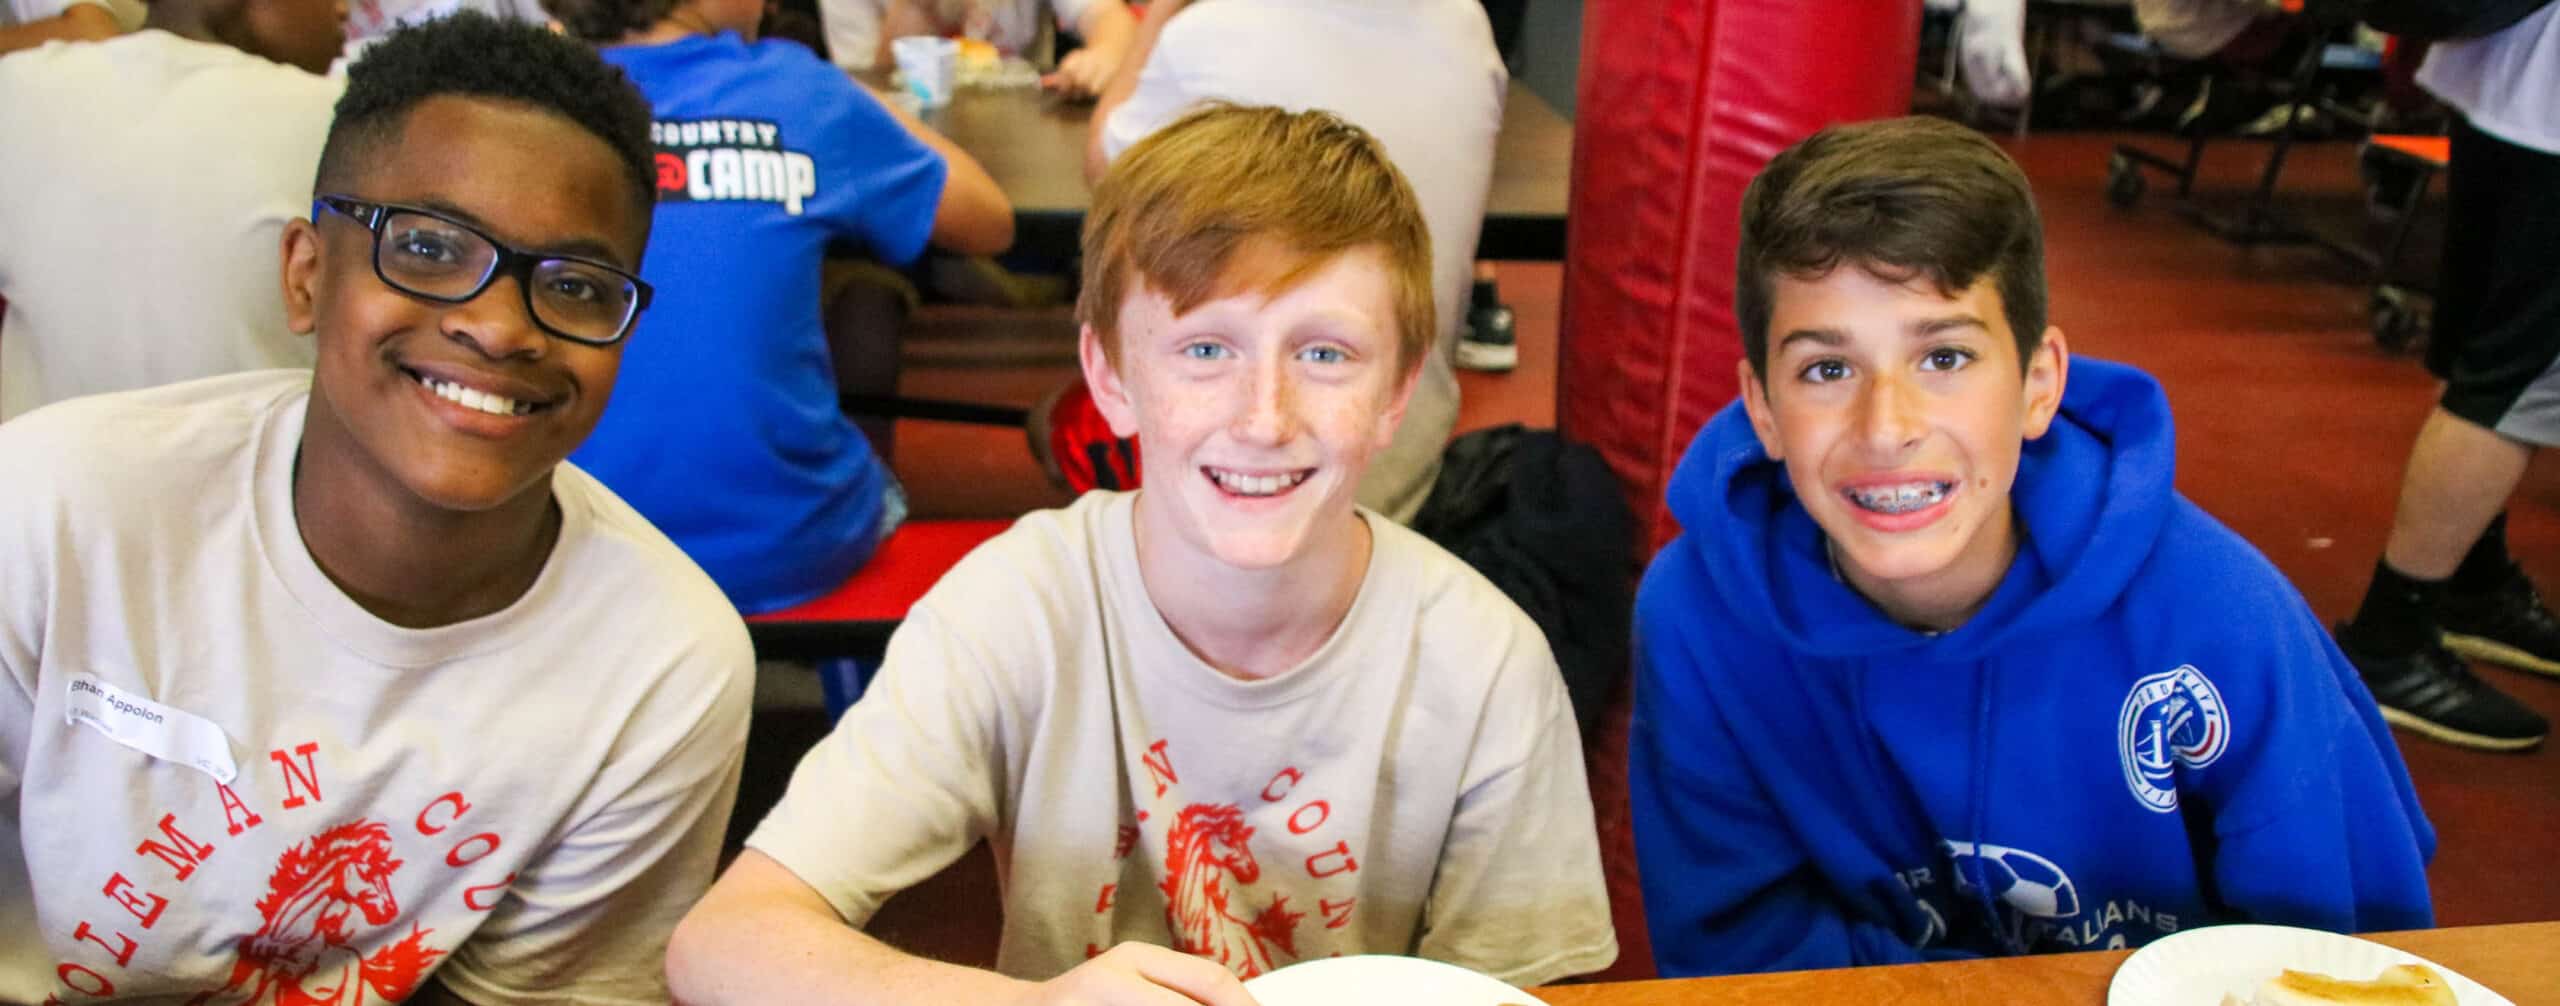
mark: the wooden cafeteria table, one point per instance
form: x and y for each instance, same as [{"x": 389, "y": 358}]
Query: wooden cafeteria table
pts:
[
  {"x": 1033, "y": 145},
  {"x": 2520, "y": 961}
]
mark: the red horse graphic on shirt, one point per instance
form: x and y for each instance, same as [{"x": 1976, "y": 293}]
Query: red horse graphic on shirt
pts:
[
  {"x": 1208, "y": 845},
  {"x": 305, "y": 954}
]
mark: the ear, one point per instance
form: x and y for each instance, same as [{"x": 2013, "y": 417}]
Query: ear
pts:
[
  {"x": 2047, "y": 371},
  {"x": 1103, "y": 379},
  {"x": 1392, "y": 418},
  {"x": 301, "y": 252},
  {"x": 1755, "y": 401}
]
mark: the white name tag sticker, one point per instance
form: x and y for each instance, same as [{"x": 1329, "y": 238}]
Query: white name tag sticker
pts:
[{"x": 162, "y": 732}]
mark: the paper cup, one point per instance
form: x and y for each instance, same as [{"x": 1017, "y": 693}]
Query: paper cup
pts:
[{"x": 929, "y": 64}]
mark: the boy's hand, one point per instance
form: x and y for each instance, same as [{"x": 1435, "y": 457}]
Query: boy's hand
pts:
[
  {"x": 1139, "y": 974},
  {"x": 1080, "y": 75}
]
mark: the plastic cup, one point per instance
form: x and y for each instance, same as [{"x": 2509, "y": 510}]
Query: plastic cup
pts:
[{"x": 930, "y": 66}]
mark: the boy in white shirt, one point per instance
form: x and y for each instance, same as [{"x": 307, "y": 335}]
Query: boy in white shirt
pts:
[
  {"x": 1231, "y": 714},
  {"x": 336, "y": 684},
  {"x": 145, "y": 181}
]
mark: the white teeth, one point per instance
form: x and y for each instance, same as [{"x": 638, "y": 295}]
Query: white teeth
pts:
[
  {"x": 474, "y": 398},
  {"x": 1902, "y": 498},
  {"x": 1255, "y": 485}
]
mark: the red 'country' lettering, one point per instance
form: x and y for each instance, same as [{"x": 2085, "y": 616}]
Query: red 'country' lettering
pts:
[
  {"x": 460, "y": 807},
  {"x": 1278, "y": 788},
  {"x": 120, "y": 891},
  {"x": 1337, "y": 914},
  {"x": 182, "y": 854},
  {"x": 1323, "y": 810},
  {"x": 1159, "y": 764},
  {"x": 123, "y": 955},
  {"x": 104, "y": 987},
  {"x": 308, "y": 775},
  {"x": 1103, "y": 903},
  {"x": 471, "y": 896},
  {"x": 1343, "y": 863},
  {"x": 456, "y": 857},
  {"x": 235, "y": 813}
]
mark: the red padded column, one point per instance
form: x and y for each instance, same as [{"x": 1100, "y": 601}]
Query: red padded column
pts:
[{"x": 1680, "y": 102}]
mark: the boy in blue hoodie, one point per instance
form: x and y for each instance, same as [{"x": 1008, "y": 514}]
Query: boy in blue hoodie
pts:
[{"x": 1943, "y": 666}]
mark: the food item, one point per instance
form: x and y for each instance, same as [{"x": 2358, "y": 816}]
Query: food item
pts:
[{"x": 2399, "y": 985}]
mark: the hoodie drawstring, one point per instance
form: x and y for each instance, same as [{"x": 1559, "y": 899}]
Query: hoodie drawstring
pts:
[{"x": 1984, "y": 674}]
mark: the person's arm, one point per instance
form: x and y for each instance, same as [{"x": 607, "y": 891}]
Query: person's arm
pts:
[
  {"x": 593, "y": 911},
  {"x": 913, "y": 775},
  {"x": 1123, "y": 83},
  {"x": 1106, "y": 27},
  {"x": 80, "y": 22},
  {"x": 1727, "y": 887},
  {"x": 802, "y": 952},
  {"x": 2315, "y": 821},
  {"x": 1518, "y": 892},
  {"x": 900, "y": 19}
]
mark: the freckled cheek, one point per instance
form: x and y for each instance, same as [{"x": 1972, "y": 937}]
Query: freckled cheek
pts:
[{"x": 1173, "y": 411}]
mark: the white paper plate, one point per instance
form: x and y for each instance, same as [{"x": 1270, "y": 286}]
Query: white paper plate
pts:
[
  {"x": 1378, "y": 980},
  {"x": 2199, "y": 966}
]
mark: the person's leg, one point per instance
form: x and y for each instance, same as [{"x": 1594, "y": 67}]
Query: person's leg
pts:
[
  {"x": 1490, "y": 342},
  {"x": 2496, "y": 345},
  {"x": 2459, "y": 477},
  {"x": 866, "y": 316}
]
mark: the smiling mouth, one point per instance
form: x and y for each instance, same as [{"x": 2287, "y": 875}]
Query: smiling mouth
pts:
[
  {"x": 1907, "y": 497},
  {"x": 474, "y": 398},
  {"x": 1240, "y": 484}
]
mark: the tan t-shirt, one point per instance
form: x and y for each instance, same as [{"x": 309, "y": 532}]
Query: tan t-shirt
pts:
[
  {"x": 1415, "y": 787},
  {"x": 221, "y": 778}
]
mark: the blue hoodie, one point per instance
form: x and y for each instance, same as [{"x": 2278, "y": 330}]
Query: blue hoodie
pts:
[{"x": 2144, "y": 729}]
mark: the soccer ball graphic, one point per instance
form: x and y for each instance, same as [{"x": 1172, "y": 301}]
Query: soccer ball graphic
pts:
[{"x": 2020, "y": 879}]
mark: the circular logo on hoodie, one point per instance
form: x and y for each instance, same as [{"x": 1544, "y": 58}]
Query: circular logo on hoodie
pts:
[{"x": 2171, "y": 719}]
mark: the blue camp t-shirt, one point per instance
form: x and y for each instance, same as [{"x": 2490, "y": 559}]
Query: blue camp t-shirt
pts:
[{"x": 724, "y": 428}]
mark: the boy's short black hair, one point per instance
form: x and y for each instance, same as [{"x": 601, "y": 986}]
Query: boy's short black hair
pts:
[
  {"x": 1902, "y": 199},
  {"x": 474, "y": 55}
]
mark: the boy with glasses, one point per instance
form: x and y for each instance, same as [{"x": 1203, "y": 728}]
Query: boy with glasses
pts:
[{"x": 338, "y": 684}]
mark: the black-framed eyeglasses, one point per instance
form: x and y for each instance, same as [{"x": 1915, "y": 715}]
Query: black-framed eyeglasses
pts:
[{"x": 426, "y": 254}]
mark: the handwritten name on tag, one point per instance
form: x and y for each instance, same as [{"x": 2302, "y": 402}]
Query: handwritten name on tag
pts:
[{"x": 163, "y": 732}]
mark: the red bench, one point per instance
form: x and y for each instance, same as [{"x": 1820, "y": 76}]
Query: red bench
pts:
[{"x": 848, "y": 629}]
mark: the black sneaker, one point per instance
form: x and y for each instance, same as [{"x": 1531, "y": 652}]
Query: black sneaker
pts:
[
  {"x": 1489, "y": 342},
  {"x": 2508, "y": 626},
  {"x": 2434, "y": 693}
]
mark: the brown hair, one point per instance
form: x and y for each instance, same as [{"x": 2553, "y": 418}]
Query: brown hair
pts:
[
  {"x": 1232, "y": 198},
  {"x": 1901, "y": 199}
]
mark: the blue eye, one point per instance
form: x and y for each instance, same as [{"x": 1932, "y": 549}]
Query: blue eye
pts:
[
  {"x": 1204, "y": 351},
  {"x": 1823, "y": 371},
  {"x": 1946, "y": 358},
  {"x": 1324, "y": 354}
]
